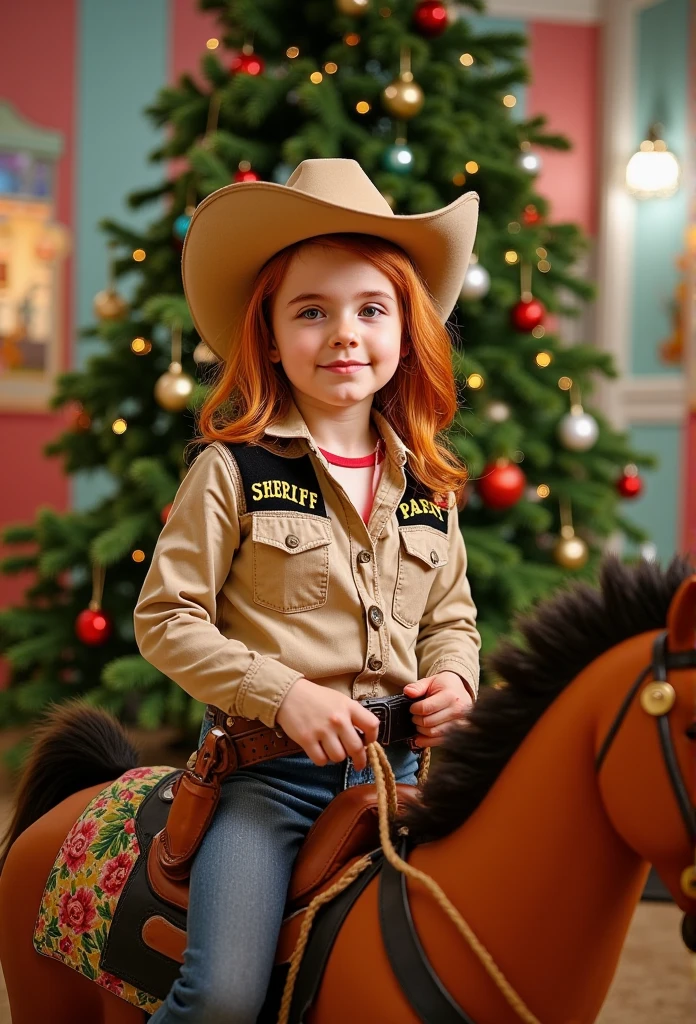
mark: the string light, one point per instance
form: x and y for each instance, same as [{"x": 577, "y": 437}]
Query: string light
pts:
[
  {"x": 83, "y": 421},
  {"x": 459, "y": 178},
  {"x": 385, "y": 12},
  {"x": 139, "y": 255},
  {"x": 466, "y": 59},
  {"x": 292, "y": 52},
  {"x": 544, "y": 266},
  {"x": 138, "y": 555},
  {"x": 510, "y": 100},
  {"x": 330, "y": 68},
  {"x": 213, "y": 44},
  {"x": 541, "y": 253},
  {"x": 351, "y": 39},
  {"x": 543, "y": 490},
  {"x": 565, "y": 383},
  {"x": 119, "y": 426},
  {"x": 316, "y": 77},
  {"x": 471, "y": 167},
  {"x": 511, "y": 256},
  {"x": 362, "y": 107},
  {"x": 513, "y": 227},
  {"x": 475, "y": 381},
  {"x": 543, "y": 358},
  {"x": 140, "y": 346},
  {"x": 539, "y": 331},
  {"x": 518, "y": 456}
]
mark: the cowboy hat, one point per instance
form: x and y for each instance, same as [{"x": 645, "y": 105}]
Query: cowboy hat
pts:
[{"x": 236, "y": 229}]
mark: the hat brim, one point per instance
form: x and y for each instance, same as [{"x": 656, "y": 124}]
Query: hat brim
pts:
[{"x": 236, "y": 229}]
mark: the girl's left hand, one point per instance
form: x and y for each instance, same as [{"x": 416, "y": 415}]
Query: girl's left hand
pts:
[{"x": 446, "y": 700}]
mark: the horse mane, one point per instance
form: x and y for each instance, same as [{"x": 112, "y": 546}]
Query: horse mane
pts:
[{"x": 559, "y": 638}]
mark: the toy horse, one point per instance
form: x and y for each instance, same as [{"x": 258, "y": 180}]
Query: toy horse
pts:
[{"x": 537, "y": 825}]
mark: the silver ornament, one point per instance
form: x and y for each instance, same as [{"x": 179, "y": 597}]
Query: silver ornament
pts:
[
  {"x": 477, "y": 281},
  {"x": 497, "y": 412},
  {"x": 578, "y": 431}
]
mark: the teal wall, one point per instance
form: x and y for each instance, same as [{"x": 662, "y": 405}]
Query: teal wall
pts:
[
  {"x": 657, "y": 508},
  {"x": 123, "y": 51}
]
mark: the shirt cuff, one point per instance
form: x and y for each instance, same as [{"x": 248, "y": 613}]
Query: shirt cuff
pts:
[
  {"x": 263, "y": 690},
  {"x": 468, "y": 675}
]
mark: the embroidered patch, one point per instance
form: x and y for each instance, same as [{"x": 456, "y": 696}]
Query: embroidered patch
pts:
[
  {"x": 277, "y": 483},
  {"x": 416, "y": 509},
  {"x": 87, "y": 879}
]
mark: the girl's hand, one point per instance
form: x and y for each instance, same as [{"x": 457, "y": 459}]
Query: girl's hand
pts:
[
  {"x": 324, "y": 722},
  {"x": 447, "y": 699}
]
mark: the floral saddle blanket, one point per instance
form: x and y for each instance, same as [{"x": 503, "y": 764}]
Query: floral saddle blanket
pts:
[{"x": 97, "y": 896}]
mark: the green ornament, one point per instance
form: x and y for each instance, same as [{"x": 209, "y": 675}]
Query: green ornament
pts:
[{"x": 398, "y": 159}]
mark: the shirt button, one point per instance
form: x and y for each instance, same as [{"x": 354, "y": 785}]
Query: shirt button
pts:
[
  {"x": 434, "y": 557},
  {"x": 364, "y": 556},
  {"x": 292, "y": 541},
  {"x": 374, "y": 663},
  {"x": 376, "y": 616}
]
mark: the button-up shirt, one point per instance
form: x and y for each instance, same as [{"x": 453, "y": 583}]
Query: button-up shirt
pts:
[{"x": 239, "y": 603}]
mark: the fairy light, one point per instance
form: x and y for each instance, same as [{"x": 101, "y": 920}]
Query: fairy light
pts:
[
  {"x": 543, "y": 358},
  {"x": 316, "y": 77},
  {"x": 510, "y": 100},
  {"x": 565, "y": 383},
  {"x": 511, "y": 256},
  {"x": 139, "y": 255},
  {"x": 459, "y": 178},
  {"x": 330, "y": 68},
  {"x": 292, "y": 52},
  {"x": 544, "y": 266},
  {"x": 385, "y": 12},
  {"x": 518, "y": 456},
  {"x": 83, "y": 421},
  {"x": 212, "y": 44},
  {"x": 471, "y": 167},
  {"x": 514, "y": 228},
  {"x": 119, "y": 426},
  {"x": 138, "y": 555},
  {"x": 141, "y": 346},
  {"x": 543, "y": 490},
  {"x": 541, "y": 253},
  {"x": 351, "y": 39},
  {"x": 362, "y": 107},
  {"x": 466, "y": 59},
  {"x": 475, "y": 381},
  {"x": 539, "y": 331}
]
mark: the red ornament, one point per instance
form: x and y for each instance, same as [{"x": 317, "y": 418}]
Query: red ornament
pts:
[
  {"x": 527, "y": 315},
  {"x": 93, "y": 627},
  {"x": 430, "y": 18},
  {"x": 164, "y": 514},
  {"x": 247, "y": 176},
  {"x": 247, "y": 64},
  {"x": 501, "y": 485},
  {"x": 531, "y": 215},
  {"x": 629, "y": 485}
]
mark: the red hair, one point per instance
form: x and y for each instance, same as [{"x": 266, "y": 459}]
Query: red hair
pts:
[{"x": 419, "y": 402}]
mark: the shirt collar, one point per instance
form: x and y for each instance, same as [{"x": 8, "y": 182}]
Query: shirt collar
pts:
[{"x": 292, "y": 425}]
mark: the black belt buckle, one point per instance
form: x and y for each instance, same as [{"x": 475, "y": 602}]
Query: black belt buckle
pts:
[{"x": 395, "y": 719}]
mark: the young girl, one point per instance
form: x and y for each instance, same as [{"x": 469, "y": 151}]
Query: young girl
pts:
[{"x": 312, "y": 557}]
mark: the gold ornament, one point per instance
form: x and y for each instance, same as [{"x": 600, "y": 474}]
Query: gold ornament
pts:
[
  {"x": 174, "y": 388},
  {"x": 403, "y": 97},
  {"x": 353, "y": 8},
  {"x": 571, "y": 552},
  {"x": 109, "y": 305}
]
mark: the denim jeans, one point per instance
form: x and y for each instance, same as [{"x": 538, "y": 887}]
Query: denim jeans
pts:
[{"x": 240, "y": 878}]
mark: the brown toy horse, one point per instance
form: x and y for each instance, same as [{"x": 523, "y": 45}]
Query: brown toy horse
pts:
[{"x": 539, "y": 822}]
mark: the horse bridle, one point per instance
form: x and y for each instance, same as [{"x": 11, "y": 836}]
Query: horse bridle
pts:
[{"x": 657, "y": 699}]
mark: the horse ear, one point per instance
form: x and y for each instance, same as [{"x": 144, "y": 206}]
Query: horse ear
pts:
[{"x": 681, "y": 617}]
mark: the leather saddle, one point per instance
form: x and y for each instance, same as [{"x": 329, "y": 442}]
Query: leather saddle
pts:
[{"x": 147, "y": 936}]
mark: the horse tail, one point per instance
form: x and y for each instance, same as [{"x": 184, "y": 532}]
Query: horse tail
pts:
[{"x": 76, "y": 746}]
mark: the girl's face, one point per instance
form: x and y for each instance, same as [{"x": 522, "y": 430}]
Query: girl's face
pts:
[{"x": 336, "y": 327}]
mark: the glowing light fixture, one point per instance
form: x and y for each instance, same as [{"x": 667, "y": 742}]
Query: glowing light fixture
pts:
[{"x": 653, "y": 172}]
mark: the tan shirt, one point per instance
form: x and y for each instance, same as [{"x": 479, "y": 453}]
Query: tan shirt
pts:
[{"x": 238, "y": 604}]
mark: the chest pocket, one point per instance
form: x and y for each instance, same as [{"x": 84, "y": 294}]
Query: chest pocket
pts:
[
  {"x": 422, "y": 554},
  {"x": 290, "y": 561}
]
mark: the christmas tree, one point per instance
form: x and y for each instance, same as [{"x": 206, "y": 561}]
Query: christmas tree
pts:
[{"x": 423, "y": 101}]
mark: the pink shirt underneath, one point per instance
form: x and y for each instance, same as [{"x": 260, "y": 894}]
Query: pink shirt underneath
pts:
[{"x": 359, "y": 477}]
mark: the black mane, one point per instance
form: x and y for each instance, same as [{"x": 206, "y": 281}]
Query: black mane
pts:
[{"x": 563, "y": 635}]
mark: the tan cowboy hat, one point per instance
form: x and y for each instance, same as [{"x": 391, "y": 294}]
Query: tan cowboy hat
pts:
[{"x": 236, "y": 229}]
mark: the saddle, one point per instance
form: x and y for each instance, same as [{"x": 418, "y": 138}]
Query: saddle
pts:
[{"x": 147, "y": 937}]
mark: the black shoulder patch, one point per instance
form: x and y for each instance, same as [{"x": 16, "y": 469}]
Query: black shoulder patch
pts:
[
  {"x": 277, "y": 483},
  {"x": 417, "y": 509}
]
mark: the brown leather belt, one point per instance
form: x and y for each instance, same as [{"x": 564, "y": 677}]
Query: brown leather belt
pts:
[{"x": 232, "y": 743}]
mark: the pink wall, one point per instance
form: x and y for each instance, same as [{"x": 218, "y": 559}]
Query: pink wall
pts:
[
  {"x": 564, "y": 60},
  {"x": 37, "y": 76}
]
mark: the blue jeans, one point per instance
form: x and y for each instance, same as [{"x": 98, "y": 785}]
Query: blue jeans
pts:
[{"x": 240, "y": 878}]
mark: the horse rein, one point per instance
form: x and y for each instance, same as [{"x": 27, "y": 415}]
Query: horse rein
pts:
[{"x": 657, "y": 699}]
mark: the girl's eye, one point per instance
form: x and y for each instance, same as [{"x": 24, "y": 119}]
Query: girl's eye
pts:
[
  {"x": 312, "y": 310},
  {"x": 376, "y": 311}
]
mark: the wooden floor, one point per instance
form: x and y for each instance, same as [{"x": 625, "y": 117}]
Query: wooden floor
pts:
[{"x": 655, "y": 982}]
